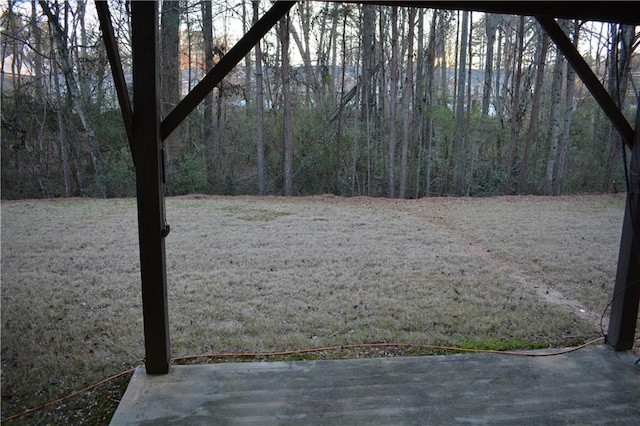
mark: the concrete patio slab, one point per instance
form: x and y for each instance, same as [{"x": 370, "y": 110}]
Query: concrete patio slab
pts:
[{"x": 591, "y": 386}]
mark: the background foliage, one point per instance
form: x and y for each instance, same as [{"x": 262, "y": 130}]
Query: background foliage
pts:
[{"x": 472, "y": 127}]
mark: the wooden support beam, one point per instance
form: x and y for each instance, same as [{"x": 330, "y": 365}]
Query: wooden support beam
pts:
[
  {"x": 149, "y": 184},
  {"x": 626, "y": 293},
  {"x": 624, "y": 12},
  {"x": 226, "y": 64},
  {"x": 588, "y": 77},
  {"x": 115, "y": 62}
]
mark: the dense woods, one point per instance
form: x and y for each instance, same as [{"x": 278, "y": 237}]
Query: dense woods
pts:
[{"x": 338, "y": 98}]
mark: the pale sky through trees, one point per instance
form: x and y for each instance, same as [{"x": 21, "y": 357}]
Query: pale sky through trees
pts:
[{"x": 346, "y": 107}]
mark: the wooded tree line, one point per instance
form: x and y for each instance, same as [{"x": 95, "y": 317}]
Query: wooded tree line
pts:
[{"x": 339, "y": 98}]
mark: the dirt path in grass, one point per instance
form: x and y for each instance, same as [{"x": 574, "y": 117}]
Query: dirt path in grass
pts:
[
  {"x": 545, "y": 292},
  {"x": 433, "y": 211}
]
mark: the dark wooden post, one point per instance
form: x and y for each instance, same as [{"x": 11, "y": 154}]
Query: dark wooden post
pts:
[
  {"x": 149, "y": 184},
  {"x": 626, "y": 294}
]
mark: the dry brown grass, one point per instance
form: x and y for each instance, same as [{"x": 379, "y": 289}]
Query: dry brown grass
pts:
[{"x": 261, "y": 274}]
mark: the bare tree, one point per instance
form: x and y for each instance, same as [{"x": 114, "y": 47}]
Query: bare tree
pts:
[
  {"x": 259, "y": 107},
  {"x": 39, "y": 59},
  {"x": 497, "y": 97},
  {"x": 467, "y": 170},
  {"x": 419, "y": 100},
  {"x": 569, "y": 107},
  {"x": 343, "y": 96},
  {"x": 64, "y": 142},
  {"x": 490, "y": 28},
  {"x": 515, "y": 106},
  {"x": 368, "y": 59},
  {"x": 624, "y": 42},
  {"x": 462, "y": 80},
  {"x": 541, "y": 56},
  {"x": 368, "y": 89},
  {"x": 247, "y": 60},
  {"x": 304, "y": 46},
  {"x": 555, "y": 122},
  {"x": 208, "y": 127},
  {"x": 76, "y": 97},
  {"x": 286, "y": 107},
  {"x": 441, "y": 54},
  {"x": 406, "y": 102},
  {"x": 170, "y": 80},
  {"x": 393, "y": 103},
  {"x": 430, "y": 95},
  {"x": 374, "y": 122}
]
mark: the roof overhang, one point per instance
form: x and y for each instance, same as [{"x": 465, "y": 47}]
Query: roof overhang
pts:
[{"x": 624, "y": 12}]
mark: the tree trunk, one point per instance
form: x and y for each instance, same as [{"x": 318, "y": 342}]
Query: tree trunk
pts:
[
  {"x": 490, "y": 27},
  {"x": 466, "y": 170},
  {"x": 555, "y": 121},
  {"x": 543, "y": 48},
  {"x": 83, "y": 70},
  {"x": 38, "y": 63},
  {"x": 462, "y": 80},
  {"x": 382, "y": 80},
  {"x": 338, "y": 160},
  {"x": 571, "y": 79},
  {"x": 419, "y": 101},
  {"x": 515, "y": 107},
  {"x": 248, "y": 89},
  {"x": 406, "y": 102},
  {"x": 368, "y": 60},
  {"x": 441, "y": 49},
  {"x": 63, "y": 140},
  {"x": 393, "y": 101},
  {"x": 430, "y": 89},
  {"x": 323, "y": 57},
  {"x": 170, "y": 80},
  {"x": 190, "y": 58},
  {"x": 456, "y": 67},
  {"x": 356, "y": 130},
  {"x": 305, "y": 49},
  {"x": 77, "y": 153},
  {"x": 624, "y": 40},
  {"x": 498, "y": 66},
  {"x": 368, "y": 111},
  {"x": 259, "y": 106},
  {"x": 333, "y": 41},
  {"x": 74, "y": 93},
  {"x": 286, "y": 107},
  {"x": 509, "y": 53},
  {"x": 208, "y": 126}
]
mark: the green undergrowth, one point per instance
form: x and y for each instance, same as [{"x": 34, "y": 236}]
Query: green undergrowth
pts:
[{"x": 496, "y": 344}]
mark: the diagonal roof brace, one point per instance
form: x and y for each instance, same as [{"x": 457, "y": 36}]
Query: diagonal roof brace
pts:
[
  {"x": 116, "y": 70},
  {"x": 222, "y": 68},
  {"x": 588, "y": 77}
]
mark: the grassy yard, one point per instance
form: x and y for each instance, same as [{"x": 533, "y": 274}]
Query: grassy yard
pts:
[{"x": 248, "y": 274}]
